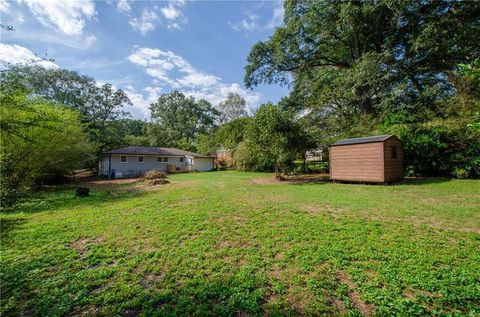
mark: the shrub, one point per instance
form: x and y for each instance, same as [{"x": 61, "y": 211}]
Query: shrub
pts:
[{"x": 222, "y": 164}]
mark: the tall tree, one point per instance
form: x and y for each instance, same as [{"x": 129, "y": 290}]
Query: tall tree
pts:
[
  {"x": 367, "y": 57},
  {"x": 99, "y": 105},
  {"x": 234, "y": 107},
  {"x": 275, "y": 134},
  {"x": 180, "y": 119}
]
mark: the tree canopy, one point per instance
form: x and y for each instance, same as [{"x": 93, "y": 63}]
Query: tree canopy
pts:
[
  {"x": 234, "y": 107},
  {"x": 180, "y": 119}
]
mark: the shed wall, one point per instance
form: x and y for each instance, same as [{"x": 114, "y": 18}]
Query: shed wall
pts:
[
  {"x": 357, "y": 162},
  {"x": 394, "y": 170}
]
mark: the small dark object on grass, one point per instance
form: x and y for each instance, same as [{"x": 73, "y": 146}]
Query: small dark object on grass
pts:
[{"x": 82, "y": 192}]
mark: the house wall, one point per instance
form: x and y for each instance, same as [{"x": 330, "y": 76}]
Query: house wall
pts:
[
  {"x": 203, "y": 164},
  {"x": 133, "y": 167},
  {"x": 357, "y": 162},
  {"x": 394, "y": 170}
]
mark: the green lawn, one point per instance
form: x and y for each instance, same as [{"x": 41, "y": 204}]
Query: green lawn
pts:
[{"x": 231, "y": 243}]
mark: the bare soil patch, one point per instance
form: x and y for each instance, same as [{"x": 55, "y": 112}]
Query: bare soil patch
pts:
[
  {"x": 363, "y": 307},
  {"x": 82, "y": 244}
]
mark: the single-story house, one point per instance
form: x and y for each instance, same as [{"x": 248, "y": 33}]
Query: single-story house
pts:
[
  {"x": 136, "y": 160},
  {"x": 376, "y": 159}
]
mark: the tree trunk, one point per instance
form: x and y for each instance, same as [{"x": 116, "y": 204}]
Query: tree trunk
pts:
[{"x": 277, "y": 171}]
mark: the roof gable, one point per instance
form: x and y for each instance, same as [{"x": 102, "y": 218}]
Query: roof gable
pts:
[{"x": 368, "y": 139}]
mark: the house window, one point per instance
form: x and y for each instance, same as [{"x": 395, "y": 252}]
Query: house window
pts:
[
  {"x": 123, "y": 159},
  {"x": 181, "y": 160},
  {"x": 159, "y": 159},
  {"x": 165, "y": 159},
  {"x": 140, "y": 159},
  {"x": 394, "y": 152}
]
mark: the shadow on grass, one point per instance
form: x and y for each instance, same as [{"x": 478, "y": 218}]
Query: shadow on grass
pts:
[
  {"x": 422, "y": 181},
  {"x": 7, "y": 226},
  {"x": 64, "y": 197},
  {"x": 304, "y": 179}
]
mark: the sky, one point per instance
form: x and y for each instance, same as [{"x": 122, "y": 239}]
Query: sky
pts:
[{"x": 145, "y": 48}]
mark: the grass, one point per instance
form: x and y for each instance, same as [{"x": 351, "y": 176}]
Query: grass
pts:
[{"x": 230, "y": 243}]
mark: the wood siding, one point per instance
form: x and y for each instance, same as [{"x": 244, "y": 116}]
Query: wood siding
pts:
[
  {"x": 394, "y": 170},
  {"x": 357, "y": 162}
]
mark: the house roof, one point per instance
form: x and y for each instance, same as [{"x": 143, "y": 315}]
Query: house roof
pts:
[
  {"x": 151, "y": 150},
  {"x": 368, "y": 139}
]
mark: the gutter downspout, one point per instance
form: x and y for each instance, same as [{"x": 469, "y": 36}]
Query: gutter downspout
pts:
[{"x": 109, "y": 166}]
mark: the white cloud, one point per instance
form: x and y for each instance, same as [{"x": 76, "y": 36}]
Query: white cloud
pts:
[
  {"x": 19, "y": 55},
  {"x": 140, "y": 107},
  {"x": 173, "y": 14},
  {"x": 277, "y": 18},
  {"x": 124, "y": 6},
  {"x": 169, "y": 69},
  {"x": 146, "y": 22},
  {"x": 4, "y": 6},
  {"x": 69, "y": 17},
  {"x": 249, "y": 23},
  {"x": 170, "y": 12},
  {"x": 163, "y": 65}
]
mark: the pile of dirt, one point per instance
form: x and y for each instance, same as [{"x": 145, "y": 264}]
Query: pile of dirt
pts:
[
  {"x": 155, "y": 177},
  {"x": 154, "y": 174}
]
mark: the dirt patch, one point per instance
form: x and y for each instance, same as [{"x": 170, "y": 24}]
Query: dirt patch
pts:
[
  {"x": 408, "y": 294},
  {"x": 82, "y": 244},
  {"x": 363, "y": 307},
  {"x": 323, "y": 210},
  {"x": 276, "y": 271},
  {"x": 241, "y": 262},
  {"x": 89, "y": 311},
  {"x": 150, "y": 279},
  {"x": 307, "y": 178},
  {"x": 266, "y": 181},
  {"x": 292, "y": 179},
  {"x": 109, "y": 184},
  {"x": 339, "y": 305}
]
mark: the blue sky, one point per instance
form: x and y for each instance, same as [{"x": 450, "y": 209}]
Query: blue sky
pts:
[{"x": 146, "y": 47}]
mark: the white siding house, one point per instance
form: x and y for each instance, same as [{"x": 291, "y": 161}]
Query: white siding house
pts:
[{"x": 136, "y": 160}]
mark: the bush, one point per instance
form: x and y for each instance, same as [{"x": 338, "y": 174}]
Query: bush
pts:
[
  {"x": 222, "y": 164},
  {"x": 311, "y": 167},
  {"x": 154, "y": 174}
]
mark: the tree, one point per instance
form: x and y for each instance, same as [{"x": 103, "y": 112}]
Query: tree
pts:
[
  {"x": 99, "y": 105},
  {"x": 274, "y": 134},
  {"x": 103, "y": 108},
  {"x": 39, "y": 141},
  {"x": 232, "y": 133},
  {"x": 179, "y": 120},
  {"x": 234, "y": 107}
]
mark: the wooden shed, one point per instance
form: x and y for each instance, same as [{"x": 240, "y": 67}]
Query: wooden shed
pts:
[{"x": 376, "y": 159}]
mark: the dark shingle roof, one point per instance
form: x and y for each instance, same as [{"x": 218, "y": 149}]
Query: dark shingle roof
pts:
[
  {"x": 150, "y": 150},
  {"x": 368, "y": 139}
]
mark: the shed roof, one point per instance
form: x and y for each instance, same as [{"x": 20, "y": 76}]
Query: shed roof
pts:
[
  {"x": 153, "y": 150},
  {"x": 368, "y": 139}
]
